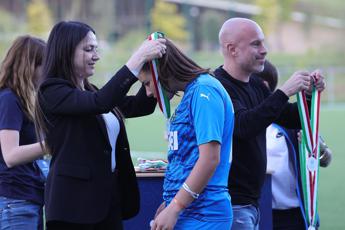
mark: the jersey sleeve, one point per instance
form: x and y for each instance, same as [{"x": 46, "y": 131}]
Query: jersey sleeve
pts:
[
  {"x": 207, "y": 112},
  {"x": 11, "y": 114}
]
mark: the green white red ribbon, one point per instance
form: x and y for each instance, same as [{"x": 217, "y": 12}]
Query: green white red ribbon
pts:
[
  {"x": 310, "y": 154},
  {"x": 162, "y": 99}
]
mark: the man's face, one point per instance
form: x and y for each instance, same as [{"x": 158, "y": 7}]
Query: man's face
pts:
[
  {"x": 146, "y": 79},
  {"x": 251, "y": 50}
]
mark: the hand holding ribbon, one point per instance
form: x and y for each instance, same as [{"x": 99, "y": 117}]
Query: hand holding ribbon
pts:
[
  {"x": 300, "y": 80},
  {"x": 317, "y": 81},
  {"x": 162, "y": 97},
  {"x": 149, "y": 50}
]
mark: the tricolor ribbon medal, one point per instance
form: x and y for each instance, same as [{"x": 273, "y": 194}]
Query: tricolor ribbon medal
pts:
[
  {"x": 309, "y": 154},
  {"x": 162, "y": 99}
]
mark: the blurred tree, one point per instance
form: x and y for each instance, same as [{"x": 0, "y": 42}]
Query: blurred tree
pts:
[
  {"x": 285, "y": 9},
  {"x": 100, "y": 14},
  {"x": 75, "y": 11},
  {"x": 165, "y": 18},
  {"x": 8, "y": 24},
  {"x": 274, "y": 13},
  {"x": 39, "y": 18},
  {"x": 268, "y": 16},
  {"x": 104, "y": 18},
  {"x": 211, "y": 22},
  {"x": 9, "y": 29}
]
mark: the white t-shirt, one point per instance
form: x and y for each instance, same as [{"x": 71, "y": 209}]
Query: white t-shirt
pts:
[
  {"x": 283, "y": 178},
  {"x": 113, "y": 130}
]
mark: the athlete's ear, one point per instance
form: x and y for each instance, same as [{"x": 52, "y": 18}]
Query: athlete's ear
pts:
[{"x": 231, "y": 48}]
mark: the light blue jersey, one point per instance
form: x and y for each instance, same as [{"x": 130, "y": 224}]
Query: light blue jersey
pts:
[{"x": 205, "y": 114}]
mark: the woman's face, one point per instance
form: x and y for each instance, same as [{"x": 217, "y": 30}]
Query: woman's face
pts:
[
  {"x": 86, "y": 56},
  {"x": 146, "y": 78}
]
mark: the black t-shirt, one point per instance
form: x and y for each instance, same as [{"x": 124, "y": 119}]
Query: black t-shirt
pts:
[
  {"x": 25, "y": 181},
  {"x": 255, "y": 109}
]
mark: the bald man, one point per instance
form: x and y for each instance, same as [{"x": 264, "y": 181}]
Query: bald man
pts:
[{"x": 244, "y": 52}]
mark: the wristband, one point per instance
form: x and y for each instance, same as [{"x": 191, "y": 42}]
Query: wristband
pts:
[{"x": 193, "y": 194}]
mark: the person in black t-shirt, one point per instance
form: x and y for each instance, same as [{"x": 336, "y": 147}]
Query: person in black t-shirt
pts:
[
  {"x": 242, "y": 45},
  {"x": 21, "y": 182}
]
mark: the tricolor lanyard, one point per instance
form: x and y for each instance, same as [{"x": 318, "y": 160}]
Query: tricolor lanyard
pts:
[
  {"x": 162, "y": 98},
  {"x": 309, "y": 154}
]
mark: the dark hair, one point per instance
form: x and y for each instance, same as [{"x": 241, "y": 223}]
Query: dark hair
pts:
[
  {"x": 61, "y": 46},
  {"x": 175, "y": 66},
  {"x": 270, "y": 75},
  {"x": 58, "y": 63}
]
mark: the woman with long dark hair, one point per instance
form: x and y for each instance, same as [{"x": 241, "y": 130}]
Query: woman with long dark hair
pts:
[
  {"x": 21, "y": 181},
  {"x": 91, "y": 183},
  {"x": 200, "y": 139}
]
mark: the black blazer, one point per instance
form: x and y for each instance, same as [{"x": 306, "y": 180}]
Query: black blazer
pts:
[{"x": 80, "y": 180}]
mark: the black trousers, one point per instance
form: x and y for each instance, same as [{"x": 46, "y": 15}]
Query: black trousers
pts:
[
  {"x": 288, "y": 219},
  {"x": 112, "y": 222},
  {"x": 107, "y": 224}
]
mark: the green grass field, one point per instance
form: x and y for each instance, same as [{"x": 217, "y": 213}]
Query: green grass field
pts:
[{"x": 146, "y": 136}]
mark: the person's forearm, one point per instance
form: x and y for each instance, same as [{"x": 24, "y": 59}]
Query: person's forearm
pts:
[
  {"x": 202, "y": 172},
  {"x": 146, "y": 52},
  {"x": 22, "y": 154},
  {"x": 135, "y": 63}
]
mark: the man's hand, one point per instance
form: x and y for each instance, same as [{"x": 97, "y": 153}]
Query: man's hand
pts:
[
  {"x": 300, "y": 80},
  {"x": 318, "y": 80}
]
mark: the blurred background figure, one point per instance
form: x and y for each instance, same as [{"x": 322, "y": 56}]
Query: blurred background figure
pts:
[
  {"x": 21, "y": 181},
  {"x": 283, "y": 162}
]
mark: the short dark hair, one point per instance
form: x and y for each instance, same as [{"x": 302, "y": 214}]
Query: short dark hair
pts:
[
  {"x": 61, "y": 46},
  {"x": 270, "y": 75}
]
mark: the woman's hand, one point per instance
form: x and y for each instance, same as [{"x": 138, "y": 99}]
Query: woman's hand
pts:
[
  {"x": 149, "y": 49},
  {"x": 166, "y": 219},
  {"x": 160, "y": 209}
]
